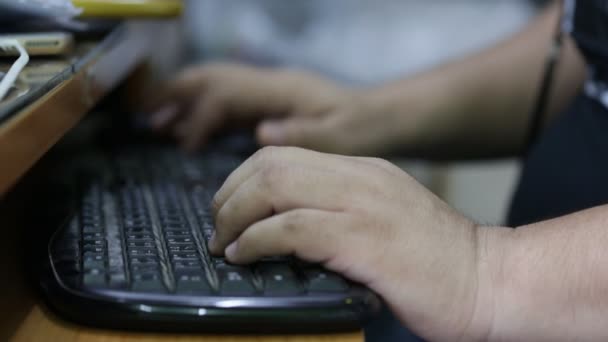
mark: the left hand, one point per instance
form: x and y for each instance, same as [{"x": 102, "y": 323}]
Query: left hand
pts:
[{"x": 363, "y": 218}]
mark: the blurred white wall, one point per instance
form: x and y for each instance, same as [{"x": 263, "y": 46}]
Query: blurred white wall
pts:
[{"x": 365, "y": 41}]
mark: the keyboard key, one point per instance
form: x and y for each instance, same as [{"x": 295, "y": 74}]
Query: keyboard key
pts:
[
  {"x": 177, "y": 233},
  {"x": 235, "y": 281},
  {"x": 137, "y": 261},
  {"x": 279, "y": 280},
  {"x": 184, "y": 257},
  {"x": 93, "y": 248},
  {"x": 177, "y": 241},
  {"x": 182, "y": 248},
  {"x": 94, "y": 255},
  {"x": 147, "y": 282},
  {"x": 142, "y": 252},
  {"x": 117, "y": 280},
  {"x": 92, "y": 228},
  {"x": 93, "y": 236},
  {"x": 187, "y": 264},
  {"x": 323, "y": 281},
  {"x": 192, "y": 283},
  {"x": 94, "y": 278},
  {"x": 93, "y": 260},
  {"x": 134, "y": 223},
  {"x": 90, "y": 221},
  {"x": 96, "y": 243},
  {"x": 134, "y": 216},
  {"x": 140, "y": 237},
  {"x": 141, "y": 244},
  {"x": 138, "y": 230},
  {"x": 219, "y": 262},
  {"x": 171, "y": 218},
  {"x": 142, "y": 268}
]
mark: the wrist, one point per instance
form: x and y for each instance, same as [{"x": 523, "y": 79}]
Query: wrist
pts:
[
  {"x": 399, "y": 112},
  {"x": 492, "y": 243},
  {"x": 448, "y": 294},
  {"x": 417, "y": 112}
]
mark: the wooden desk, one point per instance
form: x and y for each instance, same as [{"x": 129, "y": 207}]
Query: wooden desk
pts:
[
  {"x": 24, "y": 139},
  {"x": 39, "y": 327}
]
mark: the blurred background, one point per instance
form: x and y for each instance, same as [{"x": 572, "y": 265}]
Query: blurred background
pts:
[{"x": 363, "y": 42}]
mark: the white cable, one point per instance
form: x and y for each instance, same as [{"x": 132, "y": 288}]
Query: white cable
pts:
[{"x": 12, "y": 74}]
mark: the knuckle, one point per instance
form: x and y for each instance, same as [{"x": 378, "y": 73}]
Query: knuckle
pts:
[
  {"x": 269, "y": 151},
  {"x": 258, "y": 159},
  {"x": 267, "y": 155},
  {"x": 270, "y": 175},
  {"x": 272, "y": 165},
  {"x": 383, "y": 163}
]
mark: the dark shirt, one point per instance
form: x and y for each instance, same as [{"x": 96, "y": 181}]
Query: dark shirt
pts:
[{"x": 567, "y": 169}]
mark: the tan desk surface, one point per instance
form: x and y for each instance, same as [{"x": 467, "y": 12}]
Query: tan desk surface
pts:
[{"x": 38, "y": 326}]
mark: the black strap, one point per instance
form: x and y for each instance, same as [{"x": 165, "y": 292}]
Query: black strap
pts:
[{"x": 546, "y": 85}]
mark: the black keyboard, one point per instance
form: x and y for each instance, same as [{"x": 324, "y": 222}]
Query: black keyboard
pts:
[{"x": 133, "y": 254}]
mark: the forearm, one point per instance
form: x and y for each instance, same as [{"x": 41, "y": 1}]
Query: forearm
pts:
[
  {"x": 547, "y": 281},
  {"x": 480, "y": 106}
]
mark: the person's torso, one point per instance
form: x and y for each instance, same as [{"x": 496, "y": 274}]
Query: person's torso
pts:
[{"x": 567, "y": 169}]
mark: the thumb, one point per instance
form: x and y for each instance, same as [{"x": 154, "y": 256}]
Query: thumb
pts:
[{"x": 295, "y": 131}]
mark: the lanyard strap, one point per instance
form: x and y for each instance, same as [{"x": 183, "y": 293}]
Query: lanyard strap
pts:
[{"x": 540, "y": 105}]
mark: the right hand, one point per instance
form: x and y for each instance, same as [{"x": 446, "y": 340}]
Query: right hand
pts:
[
  {"x": 368, "y": 220},
  {"x": 289, "y": 108}
]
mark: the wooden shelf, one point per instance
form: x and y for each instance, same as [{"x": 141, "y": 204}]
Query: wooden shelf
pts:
[{"x": 32, "y": 131}]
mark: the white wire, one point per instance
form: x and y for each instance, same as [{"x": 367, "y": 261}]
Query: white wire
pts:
[{"x": 12, "y": 74}]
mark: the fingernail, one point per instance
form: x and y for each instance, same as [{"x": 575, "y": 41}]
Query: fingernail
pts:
[
  {"x": 163, "y": 116},
  {"x": 230, "y": 251},
  {"x": 271, "y": 133}
]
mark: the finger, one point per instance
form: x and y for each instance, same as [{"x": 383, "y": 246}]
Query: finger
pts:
[
  {"x": 277, "y": 157},
  {"x": 307, "y": 132},
  {"x": 178, "y": 90},
  {"x": 276, "y": 191},
  {"x": 310, "y": 234},
  {"x": 164, "y": 117},
  {"x": 205, "y": 119}
]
